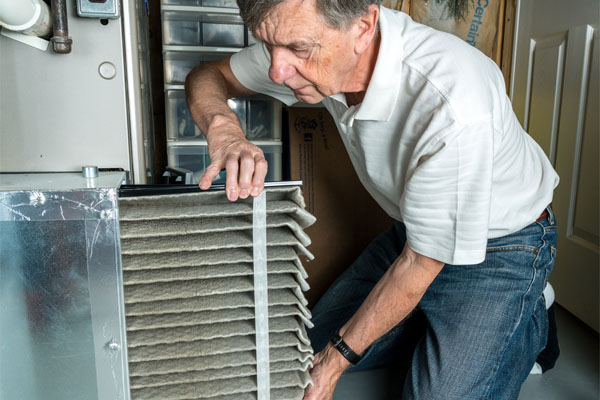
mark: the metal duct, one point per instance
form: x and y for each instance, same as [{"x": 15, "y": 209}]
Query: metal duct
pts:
[{"x": 62, "y": 322}]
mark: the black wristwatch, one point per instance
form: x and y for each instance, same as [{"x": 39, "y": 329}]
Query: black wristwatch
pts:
[{"x": 344, "y": 349}]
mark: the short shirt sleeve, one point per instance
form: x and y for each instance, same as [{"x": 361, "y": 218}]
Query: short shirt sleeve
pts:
[
  {"x": 446, "y": 201},
  {"x": 251, "y": 67}
]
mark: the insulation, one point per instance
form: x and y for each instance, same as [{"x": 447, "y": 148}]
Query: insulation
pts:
[{"x": 189, "y": 295}]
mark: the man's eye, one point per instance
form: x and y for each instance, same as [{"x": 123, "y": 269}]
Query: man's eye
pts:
[{"x": 301, "y": 51}]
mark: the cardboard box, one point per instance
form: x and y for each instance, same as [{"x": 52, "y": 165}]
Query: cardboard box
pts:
[
  {"x": 479, "y": 23},
  {"x": 348, "y": 218}
]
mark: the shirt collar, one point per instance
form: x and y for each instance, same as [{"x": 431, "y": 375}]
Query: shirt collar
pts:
[{"x": 383, "y": 89}]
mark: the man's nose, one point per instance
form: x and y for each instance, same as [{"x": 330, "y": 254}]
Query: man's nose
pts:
[{"x": 281, "y": 69}]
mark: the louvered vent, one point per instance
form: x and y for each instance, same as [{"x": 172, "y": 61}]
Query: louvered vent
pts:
[{"x": 189, "y": 296}]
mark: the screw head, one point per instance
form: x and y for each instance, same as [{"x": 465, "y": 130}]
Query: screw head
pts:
[{"x": 112, "y": 345}]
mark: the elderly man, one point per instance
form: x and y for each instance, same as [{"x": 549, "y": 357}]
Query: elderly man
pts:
[{"x": 432, "y": 136}]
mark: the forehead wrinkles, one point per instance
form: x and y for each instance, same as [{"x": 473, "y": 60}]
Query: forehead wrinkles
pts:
[{"x": 287, "y": 24}]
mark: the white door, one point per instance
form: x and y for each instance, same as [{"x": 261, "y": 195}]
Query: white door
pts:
[{"x": 554, "y": 90}]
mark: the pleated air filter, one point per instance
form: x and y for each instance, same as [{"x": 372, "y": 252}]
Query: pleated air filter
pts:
[{"x": 189, "y": 270}]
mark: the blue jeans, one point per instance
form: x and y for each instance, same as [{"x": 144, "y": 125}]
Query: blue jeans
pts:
[{"x": 477, "y": 330}]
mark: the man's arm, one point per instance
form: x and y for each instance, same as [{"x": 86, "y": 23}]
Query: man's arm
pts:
[
  {"x": 396, "y": 294},
  {"x": 207, "y": 89}
]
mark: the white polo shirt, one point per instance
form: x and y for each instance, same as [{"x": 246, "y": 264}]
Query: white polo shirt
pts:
[{"x": 435, "y": 140}]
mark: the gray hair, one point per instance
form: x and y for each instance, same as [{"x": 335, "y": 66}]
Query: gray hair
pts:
[{"x": 338, "y": 14}]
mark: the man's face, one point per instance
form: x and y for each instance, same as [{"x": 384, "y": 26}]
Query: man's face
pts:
[{"x": 311, "y": 58}]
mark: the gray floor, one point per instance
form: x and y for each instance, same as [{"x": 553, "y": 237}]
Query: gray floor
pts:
[{"x": 575, "y": 376}]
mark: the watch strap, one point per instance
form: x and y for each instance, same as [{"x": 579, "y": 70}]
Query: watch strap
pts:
[{"x": 344, "y": 349}]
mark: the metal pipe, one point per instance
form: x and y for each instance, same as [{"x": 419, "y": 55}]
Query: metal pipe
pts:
[
  {"x": 89, "y": 171},
  {"x": 30, "y": 17},
  {"x": 61, "y": 41}
]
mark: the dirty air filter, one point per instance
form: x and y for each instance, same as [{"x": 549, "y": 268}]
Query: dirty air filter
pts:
[{"x": 189, "y": 291}]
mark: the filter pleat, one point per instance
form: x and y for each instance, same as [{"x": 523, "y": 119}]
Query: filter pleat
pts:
[
  {"x": 214, "y": 302},
  {"x": 155, "y": 321},
  {"x": 292, "y": 194},
  {"x": 181, "y": 227},
  {"x": 288, "y": 354},
  {"x": 209, "y": 389},
  {"x": 186, "y": 211},
  {"x": 209, "y": 271},
  {"x": 204, "y": 287},
  {"x": 211, "y": 347},
  {"x": 206, "y": 257},
  {"x": 289, "y": 393},
  {"x": 206, "y": 241},
  {"x": 190, "y": 333},
  {"x": 204, "y": 375}
]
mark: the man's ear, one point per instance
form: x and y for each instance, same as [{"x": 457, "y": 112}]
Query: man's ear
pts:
[{"x": 366, "y": 27}]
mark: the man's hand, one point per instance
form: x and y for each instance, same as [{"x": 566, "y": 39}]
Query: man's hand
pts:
[
  {"x": 328, "y": 367},
  {"x": 244, "y": 163},
  {"x": 228, "y": 148},
  {"x": 395, "y": 295}
]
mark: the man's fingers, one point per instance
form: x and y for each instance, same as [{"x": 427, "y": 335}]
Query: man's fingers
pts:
[
  {"x": 322, "y": 386},
  {"x": 231, "y": 182},
  {"x": 210, "y": 173},
  {"x": 245, "y": 174},
  {"x": 317, "y": 358},
  {"x": 244, "y": 164},
  {"x": 260, "y": 172}
]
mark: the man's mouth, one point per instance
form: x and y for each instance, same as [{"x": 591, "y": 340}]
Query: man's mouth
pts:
[{"x": 300, "y": 90}]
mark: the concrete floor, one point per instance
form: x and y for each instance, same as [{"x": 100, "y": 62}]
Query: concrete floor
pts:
[{"x": 575, "y": 376}]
